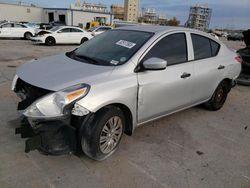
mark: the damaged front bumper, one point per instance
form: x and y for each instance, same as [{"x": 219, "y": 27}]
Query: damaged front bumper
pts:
[{"x": 51, "y": 137}]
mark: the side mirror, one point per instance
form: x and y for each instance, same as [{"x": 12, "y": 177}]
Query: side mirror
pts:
[
  {"x": 59, "y": 31},
  {"x": 154, "y": 63}
]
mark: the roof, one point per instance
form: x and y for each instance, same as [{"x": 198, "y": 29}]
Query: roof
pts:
[
  {"x": 164, "y": 29},
  {"x": 151, "y": 28}
]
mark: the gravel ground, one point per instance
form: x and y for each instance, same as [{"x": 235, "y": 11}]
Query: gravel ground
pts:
[{"x": 192, "y": 148}]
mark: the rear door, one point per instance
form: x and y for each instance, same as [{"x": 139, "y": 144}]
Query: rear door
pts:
[
  {"x": 76, "y": 35},
  {"x": 5, "y": 30},
  {"x": 166, "y": 91},
  {"x": 208, "y": 70},
  {"x": 18, "y": 30}
]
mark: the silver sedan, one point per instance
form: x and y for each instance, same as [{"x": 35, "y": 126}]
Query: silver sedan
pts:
[{"x": 117, "y": 81}]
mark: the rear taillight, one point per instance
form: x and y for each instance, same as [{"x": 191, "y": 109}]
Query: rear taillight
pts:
[{"x": 239, "y": 59}]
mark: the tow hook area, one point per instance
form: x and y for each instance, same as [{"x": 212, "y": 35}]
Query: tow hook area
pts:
[{"x": 53, "y": 138}]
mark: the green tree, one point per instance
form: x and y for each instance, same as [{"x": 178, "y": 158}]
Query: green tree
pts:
[{"x": 173, "y": 22}]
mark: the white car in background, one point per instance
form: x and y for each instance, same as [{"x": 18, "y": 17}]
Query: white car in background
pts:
[
  {"x": 16, "y": 30},
  {"x": 215, "y": 36},
  {"x": 98, "y": 30},
  {"x": 62, "y": 35}
]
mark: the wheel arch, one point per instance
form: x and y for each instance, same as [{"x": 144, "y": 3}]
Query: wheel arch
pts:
[
  {"x": 127, "y": 113},
  {"x": 27, "y": 32},
  {"x": 230, "y": 83},
  {"x": 50, "y": 37}
]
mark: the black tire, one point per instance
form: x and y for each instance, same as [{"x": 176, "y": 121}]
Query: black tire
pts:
[
  {"x": 91, "y": 135},
  {"x": 219, "y": 97},
  {"x": 84, "y": 40},
  {"x": 50, "y": 41},
  {"x": 27, "y": 35}
]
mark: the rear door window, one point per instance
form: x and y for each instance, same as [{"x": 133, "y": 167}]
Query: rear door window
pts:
[
  {"x": 204, "y": 47},
  {"x": 73, "y": 30},
  {"x": 215, "y": 47},
  {"x": 65, "y": 30},
  {"x": 7, "y": 25},
  {"x": 172, "y": 48}
]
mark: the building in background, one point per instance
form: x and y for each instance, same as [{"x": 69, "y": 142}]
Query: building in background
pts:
[
  {"x": 94, "y": 7},
  {"x": 131, "y": 10},
  {"x": 76, "y": 17},
  {"x": 21, "y": 12},
  {"x": 149, "y": 16},
  {"x": 199, "y": 17},
  {"x": 118, "y": 12}
]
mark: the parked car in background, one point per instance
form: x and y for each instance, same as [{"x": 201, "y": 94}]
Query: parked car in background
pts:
[
  {"x": 214, "y": 35},
  {"x": 16, "y": 30},
  {"x": 244, "y": 77},
  {"x": 235, "y": 37},
  {"x": 98, "y": 30},
  {"x": 48, "y": 26},
  {"x": 62, "y": 35},
  {"x": 117, "y": 81},
  {"x": 33, "y": 25}
]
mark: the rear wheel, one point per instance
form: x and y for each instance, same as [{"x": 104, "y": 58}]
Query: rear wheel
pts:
[
  {"x": 84, "y": 40},
  {"x": 102, "y": 137},
  {"x": 219, "y": 97},
  {"x": 50, "y": 41},
  {"x": 27, "y": 35}
]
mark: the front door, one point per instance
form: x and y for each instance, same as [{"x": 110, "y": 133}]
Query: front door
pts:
[
  {"x": 63, "y": 36},
  {"x": 165, "y": 91}
]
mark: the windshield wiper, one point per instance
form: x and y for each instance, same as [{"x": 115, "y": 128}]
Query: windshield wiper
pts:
[{"x": 89, "y": 59}]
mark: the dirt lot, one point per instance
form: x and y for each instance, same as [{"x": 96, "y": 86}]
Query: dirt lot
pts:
[{"x": 193, "y": 148}]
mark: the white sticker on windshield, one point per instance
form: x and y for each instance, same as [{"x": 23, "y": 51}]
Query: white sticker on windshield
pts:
[{"x": 126, "y": 44}]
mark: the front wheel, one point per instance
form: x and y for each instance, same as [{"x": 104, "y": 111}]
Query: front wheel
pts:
[
  {"x": 219, "y": 97},
  {"x": 50, "y": 41},
  {"x": 101, "y": 138}
]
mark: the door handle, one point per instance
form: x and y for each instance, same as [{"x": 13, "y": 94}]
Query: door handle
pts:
[
  {"x": 185, "y": 75},
  {"x": 221, "y": 67}
]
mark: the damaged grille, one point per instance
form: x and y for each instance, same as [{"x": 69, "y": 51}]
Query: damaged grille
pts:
[{"x": 28, "y": 93}]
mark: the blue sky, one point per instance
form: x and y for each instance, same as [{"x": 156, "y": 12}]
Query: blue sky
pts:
[{"x": 226, "y": 13}]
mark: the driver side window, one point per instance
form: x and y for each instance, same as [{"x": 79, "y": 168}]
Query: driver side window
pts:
[
  {"x": 65, "y": 30},
  {"x": 172, "y": 48}
]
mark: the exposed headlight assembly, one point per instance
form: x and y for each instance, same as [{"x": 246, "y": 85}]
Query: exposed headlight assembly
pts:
[{"x": 56, "y": 105}]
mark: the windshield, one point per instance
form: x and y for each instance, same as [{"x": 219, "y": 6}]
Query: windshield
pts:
[
  {"x": 111, "y": 48},
  {"x": 54, "y": 29}
]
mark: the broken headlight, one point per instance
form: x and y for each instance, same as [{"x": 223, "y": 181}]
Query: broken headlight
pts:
[{"x": 55, "y": 105}]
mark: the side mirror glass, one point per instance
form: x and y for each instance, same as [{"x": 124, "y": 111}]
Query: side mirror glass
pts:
[{"x": 154, "y": 63}]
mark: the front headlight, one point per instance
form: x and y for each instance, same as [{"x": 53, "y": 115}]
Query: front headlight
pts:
[{"x": 55, "y": 105}]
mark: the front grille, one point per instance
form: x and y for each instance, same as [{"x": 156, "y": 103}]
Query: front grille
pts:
[{"x": 28, "y": 93}]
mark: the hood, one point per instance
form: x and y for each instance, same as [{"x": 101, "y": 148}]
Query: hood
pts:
[
  {"x": 246, "y": 35},
  {"x": 59, "y": 72}
]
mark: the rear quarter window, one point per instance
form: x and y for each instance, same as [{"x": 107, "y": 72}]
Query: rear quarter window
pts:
[
  {"x": 204, "y": 47},
  {"x": 215, "y": 47}
]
